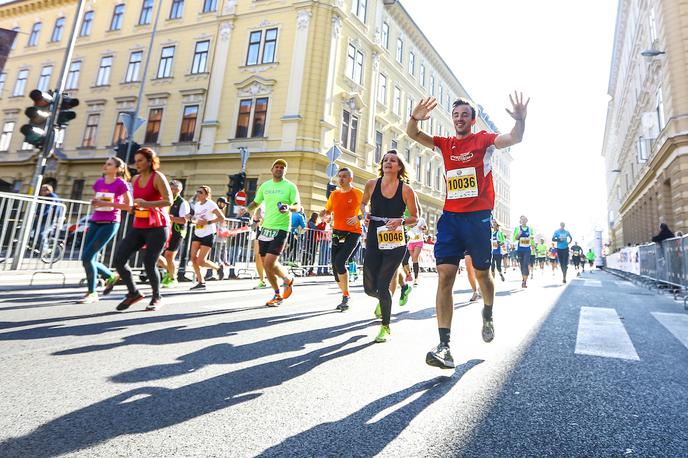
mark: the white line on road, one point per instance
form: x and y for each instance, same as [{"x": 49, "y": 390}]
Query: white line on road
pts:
[
  {"x": 601, "y": 333},
  {"x": 624, "y": 284},
  {"x": 676, "y": 323},
  {"x": 593, "y": 283}
]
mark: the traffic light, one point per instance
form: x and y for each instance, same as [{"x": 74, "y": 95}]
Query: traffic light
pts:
[
  {"x": 65, "y": 114},
  {"x": 330, "y": 189},
  {"x": 237, "y": 182},
  {"x": 121, "y": 151},
  {"x": 35, "y": 131}
]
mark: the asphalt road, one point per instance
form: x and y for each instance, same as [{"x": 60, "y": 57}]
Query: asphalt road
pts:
[{"x": 598, "y": 367}]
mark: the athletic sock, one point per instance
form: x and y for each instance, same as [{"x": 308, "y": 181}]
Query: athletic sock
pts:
[
  {"x": 345, "y": 294},
  {"x": 416, "y": 269},
  {"x": 487, "y": 312},
  {"x": 444, "y": 335},
  {"x": 277, "y": 292}
]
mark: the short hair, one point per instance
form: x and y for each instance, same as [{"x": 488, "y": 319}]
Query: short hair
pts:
[
  {"x": 151, "y": 156},
  {"x": 346, "y": 169},
  {"x": 177, "y": 184},
  {"x": 459, "y": 102}
]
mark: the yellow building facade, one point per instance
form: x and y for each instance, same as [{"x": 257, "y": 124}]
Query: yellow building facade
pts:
[{"x": 287, "y": 79}]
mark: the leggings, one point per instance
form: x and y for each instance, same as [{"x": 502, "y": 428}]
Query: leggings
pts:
[
  {"x": 563, "y": 260},
  {"x": 97, "y": 236},
  {"x": 343, "y": 245},
  {"x": 496, "y": 262},
  {"x": 524, "y": 261},
  {"x": 379, "y": 267},
  {"x": 154, "y": 239}
]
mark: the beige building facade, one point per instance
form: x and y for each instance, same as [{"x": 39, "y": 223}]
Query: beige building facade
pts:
[
  {"x": 279, "y": 78},
  {"x": 646, "y": 138}
]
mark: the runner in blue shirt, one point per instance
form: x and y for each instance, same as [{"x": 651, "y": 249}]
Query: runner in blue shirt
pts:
[{"x": 563, "y": 238}]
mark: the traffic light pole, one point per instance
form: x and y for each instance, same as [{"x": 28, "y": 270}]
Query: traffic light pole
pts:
[{"x": 47, "y": 145}]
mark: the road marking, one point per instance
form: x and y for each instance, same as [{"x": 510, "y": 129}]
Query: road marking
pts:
[
  {"x": 593, "y": 283},
  {"x": 676, "y": 323},
  {"x": 601, "y": 333},
  {"x": 624, "y": 284}
]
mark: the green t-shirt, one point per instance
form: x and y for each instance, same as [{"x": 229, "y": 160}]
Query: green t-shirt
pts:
[
  {"x": 590, "y": 255},
  {"x": 272, "y": 192},
  {"x": 541, "y": 250}
]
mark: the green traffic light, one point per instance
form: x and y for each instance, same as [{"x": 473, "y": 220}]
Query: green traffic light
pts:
[{"x": 33, "y": 135}]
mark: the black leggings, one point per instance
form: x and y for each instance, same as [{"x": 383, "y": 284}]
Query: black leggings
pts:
[
  {"x": 496, "y": 262},
  {"x": 563, "y": 260},
  {"x": 379, "y": 267},
  {"x": 343, "y": 246},
  {"x": 524, "y": 261},
  {"x": 154, "y": 239}
]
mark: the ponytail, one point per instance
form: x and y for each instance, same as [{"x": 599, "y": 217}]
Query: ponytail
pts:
[{"x": 122, "y": 169}]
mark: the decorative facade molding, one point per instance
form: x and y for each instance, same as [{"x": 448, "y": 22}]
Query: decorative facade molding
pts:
[
  {"x": 230, "y": 7},
  {"x": 226, "y": 30},
  {"x": 336, "y": 26},
  {"x": 254, "y": 86},
  {"x": 303, "y": 18}
]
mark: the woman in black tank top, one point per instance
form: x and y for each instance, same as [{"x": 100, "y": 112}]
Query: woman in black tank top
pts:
[{"x": 389, "y": 196}]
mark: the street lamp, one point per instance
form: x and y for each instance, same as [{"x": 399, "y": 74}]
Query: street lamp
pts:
[{"x": 652, "y": 52}]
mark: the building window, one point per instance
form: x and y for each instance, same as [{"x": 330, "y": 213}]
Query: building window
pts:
[
  {"x": 441, "y": 96},
  {"x": 358, "y": 7},
  {"x": 349, "y": 131},
  {"x": 394, "y": 144},
  {"x": 153, "y": 126},
  {"x": 73, "y": 75},
  {"x": 117, "y": 17},
  {"x": 6, "y": 136},
  {"x": 385, "y": 35},
  {"x": 186, "y": 133},
  {"x": 432, "y": 85},
  {"x": 407, "y": 155},
  {"x": 269, "y": 46},
  {"x": 382, "y": 89},
  {"x": 438, "y": 177},
  {"x": 20, "y": 85},
  {"x": 166, "y": 58},
  {"x": 254, "y": 115},
  {"x": 120, "y": 134},
  {"x": 58, "y": 29},
  {"x": 400, "y": 50},
  {"x": 35, "y": 31},
  {"x": 378, "y": 146},
  {"x": 354, "y": 64},
  {"x": 409, "y": 106},
  {"x": 146, "y": 12},
  {"x": 200, "y": 59},
  {"x": 412, "y": 63},
  {"x": 77, "y": 189},
  {"x": 209, "y": 6},
  {"x": 44, "y": 79},
  {"x": 396, "y": 102},
  {"x": 421, "y": 75},
  {"x": 91, "y": 130},
  {"x": 3, "y": 80},
  {"x": 653, "y": 27},
  {"x": 103, "y": 77},
  {"x": 86, "y": 24},
  {"x": 419, "y": 167},
  {"x": 660, "y": 110},
  {"x": 177, "y": 9},
  {"x": 133, "y": 67},
  {"x": 428, "y": 172},
  {"x": 14, "y": 42}
]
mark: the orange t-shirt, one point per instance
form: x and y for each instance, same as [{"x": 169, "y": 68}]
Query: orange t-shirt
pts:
[{"x": 344, "y": 205}]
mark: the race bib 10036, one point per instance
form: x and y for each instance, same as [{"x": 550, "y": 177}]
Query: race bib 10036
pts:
[
  {"x": 388, "y": 239},
  {"x": 462, "y": 183}
]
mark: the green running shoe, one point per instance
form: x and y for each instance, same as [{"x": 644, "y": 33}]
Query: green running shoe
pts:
[
  {"x": 383, "y": 335},
  {"x": 378, "y": 311},
  {"x": 405, "y": 291}
]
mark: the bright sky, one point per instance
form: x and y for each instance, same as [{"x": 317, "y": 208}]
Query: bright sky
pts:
[{"x": 559, "y": 54}]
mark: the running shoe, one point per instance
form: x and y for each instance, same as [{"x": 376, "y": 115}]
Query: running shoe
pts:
[
  {"x": 109, "y": 284},
  {"x": 524, "y": 284},
  {"x": 172, "y": 284},
  {"x": 405, "y": 291},
  {"x": 344, "y": 305},
  {"x": 261, "y": 284},
  {"x": 155, "y": 304},
  {"x": 129, "y": 300},
  {"x": 383, "y": 335},
  {"x": 441, "y": 357},
  {"x": 221, "y": 272},
  {"x": 288, "y": 288},
  {"x": 198, "y": 286},
  {"x": 501, "y": 275},
  {"x": 415, "y": 283},
  {"x": 488, "y": 330},
  {"x": 476, "y": 295},
  {"x": 275, "y": 301},
  {"x": 209, "y": 275},
  {"x": 89, "y": 298},
  {"x": 378, "y": 311}
]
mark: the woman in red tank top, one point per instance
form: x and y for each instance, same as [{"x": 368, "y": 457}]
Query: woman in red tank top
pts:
[{"x": 151, "y": 227}]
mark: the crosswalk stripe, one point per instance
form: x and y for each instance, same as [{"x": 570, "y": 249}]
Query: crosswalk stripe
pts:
[
  {"x": 593, "y": 283},
  {"x": 676, "y": 323},
  {"x": 601, "y": 333}
]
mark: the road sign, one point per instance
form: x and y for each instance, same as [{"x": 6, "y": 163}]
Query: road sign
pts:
[
  {"x": 244, "y": 156},
  {"x": 334, "y": 153},
  {"x": 127, "y": 121},
  {"x": 240, "y": 198},
  {"x": 332, "y": 170}
]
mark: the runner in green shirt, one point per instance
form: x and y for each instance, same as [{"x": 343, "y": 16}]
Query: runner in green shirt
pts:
[
  {"x": 590, "y": 255},
  {"x": 541, "y": 253},
  {"x": 280, "y": 197}
]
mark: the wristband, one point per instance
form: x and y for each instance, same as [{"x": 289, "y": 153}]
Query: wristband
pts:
[{"x": 417, "y": 120}]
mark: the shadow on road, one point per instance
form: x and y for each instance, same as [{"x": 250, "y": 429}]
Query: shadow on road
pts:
[
  {"x": 356, "y": 435},
  {"x": 148, "y": 409}
]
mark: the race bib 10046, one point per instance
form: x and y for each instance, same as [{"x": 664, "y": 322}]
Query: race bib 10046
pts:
[
  {"x": 388, "y": 239},
  {"x": 462, "y": 183}
]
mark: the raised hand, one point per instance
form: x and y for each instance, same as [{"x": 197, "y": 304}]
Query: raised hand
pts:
[
  {"x": 422, "y": 111},
  {"x": 519, "y": 110}
]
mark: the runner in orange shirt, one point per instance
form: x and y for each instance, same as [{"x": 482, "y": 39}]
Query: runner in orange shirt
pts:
[{"x": 345, "y": 204}]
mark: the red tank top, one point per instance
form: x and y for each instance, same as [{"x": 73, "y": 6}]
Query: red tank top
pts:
[{"x": 148, "y": 218}]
